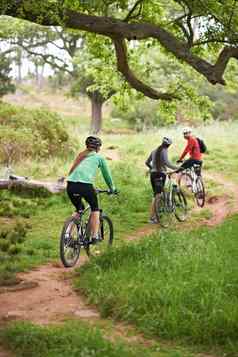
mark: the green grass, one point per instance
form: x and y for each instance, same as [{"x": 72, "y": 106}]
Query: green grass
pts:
[
  {"x": 77, "y": 338},
  {"x": 181, "y": 286},
  {"x": 129, "y": 210},
  {"x": 46, "y": 215},
  {"x": 71, "y": 339}
]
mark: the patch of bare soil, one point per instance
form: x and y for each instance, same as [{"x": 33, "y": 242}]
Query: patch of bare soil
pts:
[
  {"x": 224, "y": 206},
  {"x": 144, "y": 231},
  {"x": 4, "y": 353},
  {"x": 50, "y": 299}
]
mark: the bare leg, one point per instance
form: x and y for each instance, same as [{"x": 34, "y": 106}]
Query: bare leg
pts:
[{"x": 94, "y": 223}]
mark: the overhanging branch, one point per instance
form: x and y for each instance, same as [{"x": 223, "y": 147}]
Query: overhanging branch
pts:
[
  {"x": 226, "y": 54},
  {"x": 123, "y": 67},
  {"x": 119, "y": 30}
]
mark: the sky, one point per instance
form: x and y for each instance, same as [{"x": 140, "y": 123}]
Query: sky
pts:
[{"x": 27, "y": 64}]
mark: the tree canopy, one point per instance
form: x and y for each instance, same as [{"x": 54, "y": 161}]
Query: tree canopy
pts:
[{"x": 202, "y": 34}]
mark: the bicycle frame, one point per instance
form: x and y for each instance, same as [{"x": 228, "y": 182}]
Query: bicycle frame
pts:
[
  {"x": 84, "y": 211},
  {"x": 171, "y": 184},
  {"x": 192, "y": 173}
]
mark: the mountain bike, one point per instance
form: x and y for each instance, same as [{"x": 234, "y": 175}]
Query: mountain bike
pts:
[
  {"x": 76, "y": 235},
  {"x": 191, "y": 180},
  {"x": 171, "y": 201}
]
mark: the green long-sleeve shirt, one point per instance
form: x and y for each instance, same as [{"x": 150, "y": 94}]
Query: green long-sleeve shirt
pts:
[{"x": 86, "y": 171}]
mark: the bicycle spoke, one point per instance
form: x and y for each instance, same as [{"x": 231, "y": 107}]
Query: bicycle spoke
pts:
[
  {"x": 161, "y": 211},
  {"x": 106, "y": 238},
  {"x": 69, "y": 243},
  {"x": 200, "y": 194},
  {"x": 180, "y": 205}
]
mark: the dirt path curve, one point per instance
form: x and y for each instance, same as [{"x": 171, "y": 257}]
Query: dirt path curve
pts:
[
  {"x": 4, "y": 353},
  {"x": 52, "y": 299},
  {"x": 222, "y": 207}
]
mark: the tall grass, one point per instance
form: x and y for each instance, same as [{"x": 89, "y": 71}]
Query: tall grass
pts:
[
  {"x": 72, "y": 339},
  {"x": 175, "y": 286}
]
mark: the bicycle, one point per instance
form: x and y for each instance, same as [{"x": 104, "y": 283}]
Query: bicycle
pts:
[
  {"x": 76, "y": 235},
  {"x": 191, "y": 179},
  {"x": 171, "y": 201}
]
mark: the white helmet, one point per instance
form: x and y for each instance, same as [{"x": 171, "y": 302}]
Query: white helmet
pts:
[
  {"x": 187, "y": 130},
  {"x": 167, "y": 141}
]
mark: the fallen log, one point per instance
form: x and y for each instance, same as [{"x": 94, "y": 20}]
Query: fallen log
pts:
[{"x": 24, "y": 184}]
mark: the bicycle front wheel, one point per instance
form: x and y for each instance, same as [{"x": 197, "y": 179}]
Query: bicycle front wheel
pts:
[
  {"x": 180, "y": 205},
  {"x": 186, "y": 182},
  {"x": 106, "y": 238},
  {"x": 200, "y": 194},
  {"x": 69, "y": 243},
  {"x": 161, "y": 211}
]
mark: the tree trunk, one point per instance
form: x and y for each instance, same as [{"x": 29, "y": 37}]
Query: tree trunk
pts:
[
  {"x": 19, "y": 72},
  {"x": 96, "y": 114}
]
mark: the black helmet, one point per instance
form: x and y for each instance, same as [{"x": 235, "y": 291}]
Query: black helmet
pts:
[{"x": 93, "y": 142}]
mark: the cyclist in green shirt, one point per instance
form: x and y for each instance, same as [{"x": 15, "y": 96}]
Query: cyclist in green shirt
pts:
[{"x": 81, "y": 178}]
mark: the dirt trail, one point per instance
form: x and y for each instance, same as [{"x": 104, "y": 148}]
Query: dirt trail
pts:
[
  {"x": 53, "y": 299},
  {"x": 4, "y": 353},
  {"x": 222, "y": 207}
]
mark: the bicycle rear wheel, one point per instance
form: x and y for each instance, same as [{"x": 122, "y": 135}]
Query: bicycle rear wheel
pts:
[
  {"x": 200, "y": 194},
  {"x": 180, "y": 205},
  {"x": 161, "y": 211},
  {"x": 69, "y": 243},
  {"x": 106, "y": 238}
]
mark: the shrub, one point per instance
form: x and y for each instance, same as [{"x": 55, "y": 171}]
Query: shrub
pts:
[
  {"x": 4, "y": 245},
  {"x": 30, "y": 133},
  {"x": 14, "y": 249}
]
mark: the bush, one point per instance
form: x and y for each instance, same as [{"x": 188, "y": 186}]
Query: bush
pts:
[
  {"x": 30, "y": 133},
  {"x": 18, "y": 206},
  {"x": 14, "y": 249},
  {"x": 4, "y": 245}
]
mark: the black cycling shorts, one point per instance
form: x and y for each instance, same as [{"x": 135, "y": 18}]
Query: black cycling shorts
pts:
[
  {"x": 78, "y": 190},
  {"x": 191, "y": 162},
  {"x": 157, "y": 181}
]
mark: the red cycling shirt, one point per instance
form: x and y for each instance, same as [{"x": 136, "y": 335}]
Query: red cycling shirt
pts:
[{"x": 192, "y": 149}]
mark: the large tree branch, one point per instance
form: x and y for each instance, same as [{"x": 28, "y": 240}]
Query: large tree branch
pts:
[
  {"x": 226, "y": 54},
  {"x": 117, "y": 29},
  {"x": 123, "y": 67}
]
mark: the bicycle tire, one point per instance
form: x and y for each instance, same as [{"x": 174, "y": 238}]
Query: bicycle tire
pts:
[
  {"x": 70, "y": 242},
  {"x": 107, "y": 235},
  {"x": 200, "y": 195},
  {"x": 179, "y": 200},
  {"x": 186, "y": 182},
  {"x": 160, "y": 209}
]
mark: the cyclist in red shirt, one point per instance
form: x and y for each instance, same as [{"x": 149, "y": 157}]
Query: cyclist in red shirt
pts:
[{"x": 193, "y": 149}]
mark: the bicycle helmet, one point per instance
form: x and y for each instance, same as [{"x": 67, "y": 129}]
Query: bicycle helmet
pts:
[
  {"x": 187, "y": 130},
  {"x": 93, "y": 142},
  {"x": 167, "y": 141}
]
